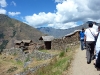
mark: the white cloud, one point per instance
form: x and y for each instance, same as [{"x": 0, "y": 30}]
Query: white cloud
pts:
[
  {"x": 41, "y": 18},
  {"x": 63, "y": 26},
  {"x": 14, "y": 13},
  {"x": 2, "y": 11},
  {"x": 59, "y": 1},
  {"x": 3, "y": 3},
  {"x": 68, "y": 13},
  {"x": 13, "y": 3}
]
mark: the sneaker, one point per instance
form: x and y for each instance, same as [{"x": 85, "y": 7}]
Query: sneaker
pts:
[{"x": 88, "y": 62}]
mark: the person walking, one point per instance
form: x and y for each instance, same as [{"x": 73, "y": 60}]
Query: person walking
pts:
[
  {"x": 97, "y": 50},
  {"x": 90, "y": 33},
  {"x": 82, "y": 44}
]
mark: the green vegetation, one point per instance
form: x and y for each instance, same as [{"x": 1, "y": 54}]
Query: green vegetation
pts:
[
  {"x": 56, "y": 67},
  {"x": 67, "y": 49},
  {"x": 19, "y": 63},
  {"x": 44, "y": 51},
  {"x": 62, "y": 54}
]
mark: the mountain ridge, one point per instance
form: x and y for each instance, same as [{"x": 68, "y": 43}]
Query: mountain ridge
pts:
[
  {"x": 12, "y": 29},
  {"x": 59, "y": 33}
]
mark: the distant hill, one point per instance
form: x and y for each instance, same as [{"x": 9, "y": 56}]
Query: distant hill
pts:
[
  {"x": 12, "y": 29},
  {"x": 59, "y": 33}
]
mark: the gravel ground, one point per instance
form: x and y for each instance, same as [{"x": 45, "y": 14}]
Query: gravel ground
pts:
[{"x": 79, "y": 65}]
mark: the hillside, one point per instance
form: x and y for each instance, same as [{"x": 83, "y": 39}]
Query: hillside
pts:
[
  {"x": 59, "y": 33},
  {"x": 12, "y": 29}
]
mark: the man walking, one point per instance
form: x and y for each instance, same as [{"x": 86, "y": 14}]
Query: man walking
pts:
[
  {"x": 90, "y": 33},
  {"x": 82, "y": 39}
]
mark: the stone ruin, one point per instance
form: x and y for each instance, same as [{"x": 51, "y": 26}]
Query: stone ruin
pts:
[{"x": 57, "y": 44}]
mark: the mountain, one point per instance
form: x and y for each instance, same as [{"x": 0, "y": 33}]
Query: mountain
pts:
[
  {"x": 59, "y": 33},
  {"x": 12, "y": 29}
]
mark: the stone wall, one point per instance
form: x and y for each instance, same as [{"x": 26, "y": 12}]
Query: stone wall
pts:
[
  {"x": 22, "y": 56},
  {"x": 12, "y": 51},
  {"x": 68, "y": 40}
]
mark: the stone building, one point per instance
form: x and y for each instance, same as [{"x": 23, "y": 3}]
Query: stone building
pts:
[
  {"x": 23, "y": 44},
  {"x": 73, "y": 36},
  {"x": 17, "y": 43},
  {"x": 64, "y": 42},
  {"x": 47, "y": 41}
]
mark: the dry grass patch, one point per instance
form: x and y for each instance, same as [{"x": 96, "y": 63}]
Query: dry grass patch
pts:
[{"x": 8, "y": 65}]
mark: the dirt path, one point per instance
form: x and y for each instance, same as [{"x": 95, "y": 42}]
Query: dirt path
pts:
[{"x": 79, "y": 65}]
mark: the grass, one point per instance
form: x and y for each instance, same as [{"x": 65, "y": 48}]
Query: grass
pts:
[
  {"x": 62, "y": 53},
  {"x": 44, "y": 51},
  {"x": 56, "y": 67},
  {"x": 57, "y": 64},
  {"x": 51, "y": 51},
  {"x": 8, "y": 66}
]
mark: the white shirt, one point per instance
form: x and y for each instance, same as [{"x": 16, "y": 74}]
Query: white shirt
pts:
[
  {"x": 88, "y": 33},
  {"x": 95, "y": 27},
  {"x": 98, "y": 41}
]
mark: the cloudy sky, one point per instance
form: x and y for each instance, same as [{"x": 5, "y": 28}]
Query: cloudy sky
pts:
[{"x": 59, "y": 14}]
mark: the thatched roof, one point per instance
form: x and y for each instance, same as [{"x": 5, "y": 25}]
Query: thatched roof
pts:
[{"x": 46, "y": 38}]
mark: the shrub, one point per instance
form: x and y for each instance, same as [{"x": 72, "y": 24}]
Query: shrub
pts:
[{"x": 62, "y": 54}]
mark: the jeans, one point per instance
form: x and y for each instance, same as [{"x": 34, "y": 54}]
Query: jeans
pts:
[
  {"x": 90, "y": 50},
  {"x": 82, "y": 44}
]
